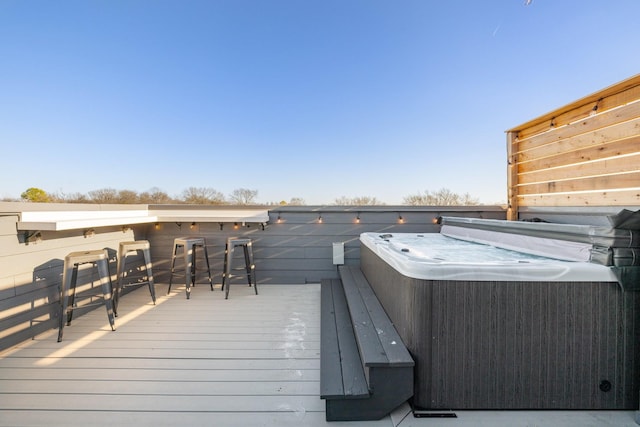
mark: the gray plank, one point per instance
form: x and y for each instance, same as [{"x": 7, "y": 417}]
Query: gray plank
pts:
[
  {"x": 331, "y": 372},
  {"x": 394, "y": 348},
  {"x": 371, "y": 351},
  {"x": 353, "y": 376}
]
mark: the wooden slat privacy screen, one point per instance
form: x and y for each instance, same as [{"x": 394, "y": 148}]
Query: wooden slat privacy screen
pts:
[{"x": 584, "y": 154}]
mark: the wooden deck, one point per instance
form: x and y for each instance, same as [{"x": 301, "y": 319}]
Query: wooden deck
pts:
[{"x": 247, "y": 361}]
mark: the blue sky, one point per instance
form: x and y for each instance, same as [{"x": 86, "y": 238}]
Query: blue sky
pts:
[{"x": 292, "y": 98}]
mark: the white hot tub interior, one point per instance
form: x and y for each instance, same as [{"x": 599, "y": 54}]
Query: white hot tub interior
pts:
[{"x": 433, "y": 256}]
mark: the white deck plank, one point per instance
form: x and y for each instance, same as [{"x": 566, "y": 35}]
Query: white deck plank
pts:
[
  {"x": 166, "y": 403},
  {"x": 148, "y": 364},
  {"x": 175, "y": 387},
  {"x": 173, "y": 375},
  {"x": 173, "y": 353},
  {"x": 203, "y": 344}
]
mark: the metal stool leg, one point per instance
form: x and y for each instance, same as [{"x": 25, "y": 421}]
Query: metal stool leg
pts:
[
  {"x": 206, "y": 257},
  {"x": 107, "y": 287},
  {"x": 173, "y": 264},
  {"x": 67, "y": 277},
  {"x": 122, "y": 259},
  {"x": 224, "y": 268},
  {"x": 189, "y": 268},
  {"x": 152, "y": 286},
  {"x": 72, "y": 297},
  {"x": 251, "y": 272},
  {"x": 226, "y": 279}
]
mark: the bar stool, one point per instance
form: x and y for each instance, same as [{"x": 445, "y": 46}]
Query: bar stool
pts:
[
  {"x": 189, "y": 245},
  {"x": 249, "y": 267},
  {"x": 125, "y": 249},
  {"x": 72, "y": 261}
]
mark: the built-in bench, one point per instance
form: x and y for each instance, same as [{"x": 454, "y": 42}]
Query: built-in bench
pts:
[{"x": 365, "y": 369}]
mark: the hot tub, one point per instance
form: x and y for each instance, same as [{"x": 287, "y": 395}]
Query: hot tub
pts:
[{"x": 492, "y": 328}]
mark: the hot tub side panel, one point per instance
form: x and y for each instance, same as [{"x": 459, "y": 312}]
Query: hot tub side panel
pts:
[
  {"x": 407, "y": 302},
  {"x": 514, "y": 345}
]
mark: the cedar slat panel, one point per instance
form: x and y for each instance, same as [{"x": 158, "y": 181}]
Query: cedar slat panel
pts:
[
  {"x": 512, "y": 176},
  {"x": 613, "y": 96},
  {"x": 582, "y": 154},
  {"x": 588, "y": 157},
  {"x": 629, "y": 197},
  {"x": 578, "y": 170},
  {"x": 622, "y": 131},
  {"x": 619, "y": 148},
  {"x": 599, "y": 183},
  {"x": 551, "y": 124},
  {"x": 583, "y": 112},
  {"x": 589, "y": 123}
]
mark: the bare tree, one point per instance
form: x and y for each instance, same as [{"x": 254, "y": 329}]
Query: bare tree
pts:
[
  {"x": 442, "y": 197},
  {"x": 357, "y": 201},
  {"x": 71, "y": 198},
  {"x": 104, "y": 195},
  {"x": 297, "y": 201},
  {"x": 154, "y": 196},
  {"x": 243, "y": 196},
  {"x": 128, "y": 197},
  {"x": 202, "y": 196},
  {"x": 468, "y": 200}
]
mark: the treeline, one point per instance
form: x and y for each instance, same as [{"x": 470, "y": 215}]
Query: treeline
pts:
[
  {"x": 240, "y": 196},
  {"x": 192, "y": 195}
]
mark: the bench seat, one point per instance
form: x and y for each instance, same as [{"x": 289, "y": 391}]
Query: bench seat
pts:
[{"x": 365, "y": 369}]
